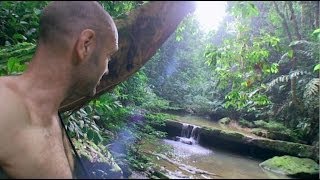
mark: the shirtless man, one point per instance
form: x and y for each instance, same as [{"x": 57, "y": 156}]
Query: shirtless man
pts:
[{"x": 75, "y": 43}]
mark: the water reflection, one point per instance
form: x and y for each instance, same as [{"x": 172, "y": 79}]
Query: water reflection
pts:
[{"x": 225, "y": 164}]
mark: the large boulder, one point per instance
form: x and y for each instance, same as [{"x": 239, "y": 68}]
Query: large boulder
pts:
[{"x": 292, "y": 166}]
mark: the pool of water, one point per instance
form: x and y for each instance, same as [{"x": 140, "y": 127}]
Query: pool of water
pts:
[
  {"x": 224, "y": 164},
  {"x": 184, "y": 159}
]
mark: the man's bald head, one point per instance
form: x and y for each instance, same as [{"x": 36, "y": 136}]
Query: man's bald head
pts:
[{"x": 62, "y": 20}]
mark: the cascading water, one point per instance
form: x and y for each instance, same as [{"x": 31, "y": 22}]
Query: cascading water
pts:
[
  {"x": 189, "y": 134},
  {"x": 195, "y": 134}
]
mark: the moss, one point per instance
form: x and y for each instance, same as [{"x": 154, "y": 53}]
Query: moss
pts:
[
  {"x": 270, "y": 126},
  {"x": 233, "y": 135},
  {"x": 245, "y": 123},
  {"x": 277, "y": 147},
  {"x": 296, "y": 149},
  {"x": 259, "y": 132},
  {"x": 292, "y": 166},
  {"x": 274, "y": 130},
  {"x": 224, "y": 134},
  {"x": 225, "y": 121}
]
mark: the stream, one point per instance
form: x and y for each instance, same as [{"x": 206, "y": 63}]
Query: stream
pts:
[{"x": 189, "y": 160}]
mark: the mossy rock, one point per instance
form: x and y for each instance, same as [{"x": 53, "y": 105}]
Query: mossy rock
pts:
[
  {"x": 286, "y": 135},
  {"x": 270, "y": 125},
  {"x": 245, "y": 123},
  {"x": 225, "y": 121},
  {"x": 223, "y": 134},
  {"x": 274, "y": 130},
  {"x": 259, "y": 132},
  {"x": 292, "y": 166}
]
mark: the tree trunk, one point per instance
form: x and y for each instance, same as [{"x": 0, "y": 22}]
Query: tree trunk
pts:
[
  {"x": 140, "y": 35},
  {"x": 284, "y": 21},
  {"x": 294, "y": 20},
  {"x": 294, "y": 59},
  {"x": 307, "y": 16},
  {"x": 317, "y": 13}
]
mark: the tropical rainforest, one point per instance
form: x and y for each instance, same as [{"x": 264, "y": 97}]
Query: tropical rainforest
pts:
[{"x": 256, "y": 73}]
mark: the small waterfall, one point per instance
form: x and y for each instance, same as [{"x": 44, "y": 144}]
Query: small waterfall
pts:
[
  {"x": 189, "y": 134},
  {"x": 186, "y": 130},
  {"x": 195, "y": 134}
]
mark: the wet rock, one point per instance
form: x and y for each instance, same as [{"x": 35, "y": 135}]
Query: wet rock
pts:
[
  {"x": 183, "y": 140},
  {"x": 186, "y": 141},
  {"x": 290, "y": 148},
  {"x": 173, "y": 128},
  {"x": 160, "y": 175},
  {"x": 241, "y": 143},
  {"x": 177, "y": 175},
  {"x": 138, "y": 175},
  {"x": 292, "y": 166},
  {"x": 154, "y": 177},
  {"x": 176, "y": 138},
  {"x": 124, "y": 165}
]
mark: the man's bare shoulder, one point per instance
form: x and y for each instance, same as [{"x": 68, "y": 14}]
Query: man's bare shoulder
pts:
[
  {"x": 13, "y": 115},
  {"x": 12, "y": 107}
]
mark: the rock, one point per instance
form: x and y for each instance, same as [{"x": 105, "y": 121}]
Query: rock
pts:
[
  {"x": 138, "y": 175},
  {"x": 289, "y": 148},
  {"x": 154, "y": 177},
  {"x": 176, "y": 138},
  {"x": 186, "y": 141},
  {"x": 173, "y": 128},
  {"x": 282, "y": 135},
  {"x": 160, "y": 175},
  {"x": 124, "y": 165},
  {"x": 292, "y": 166},
  {"x": 260, "y": 132},
  {"x": 241, "y": 143},
  {"x": 183, "y": 140},
  {"x": 224, "y": 121}
]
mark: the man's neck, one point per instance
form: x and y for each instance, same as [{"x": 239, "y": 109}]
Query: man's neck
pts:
[{"x": 46, "y": 83}]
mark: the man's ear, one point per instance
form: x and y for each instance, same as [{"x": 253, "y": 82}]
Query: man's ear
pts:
[{"x": 85, "y": 45}]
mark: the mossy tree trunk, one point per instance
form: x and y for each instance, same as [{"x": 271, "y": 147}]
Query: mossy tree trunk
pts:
[{"x": 140, "y": 35}]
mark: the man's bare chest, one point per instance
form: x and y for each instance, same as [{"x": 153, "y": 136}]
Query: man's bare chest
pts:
[{"x": 37, "y": 149}]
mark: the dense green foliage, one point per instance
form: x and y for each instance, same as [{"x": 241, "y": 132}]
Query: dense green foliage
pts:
[{"x": 258, "y": 68}]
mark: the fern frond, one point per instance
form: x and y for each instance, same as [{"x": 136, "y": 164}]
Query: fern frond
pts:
[
  {"x": 301, "y": 43},
  {"x": 306, "y": 53},
  {"x": 312, "y": 88},
  {"x": 286, "y": 78}
]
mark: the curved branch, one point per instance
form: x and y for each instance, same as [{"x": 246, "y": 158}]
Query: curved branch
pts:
[{"x": 140, "y": 35}]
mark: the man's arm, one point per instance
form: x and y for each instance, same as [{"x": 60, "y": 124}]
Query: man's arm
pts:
[{"x": 68, "y": 150}]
